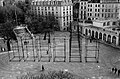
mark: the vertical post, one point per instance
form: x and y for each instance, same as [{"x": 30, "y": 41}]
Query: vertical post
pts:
[
  {"x": 18, "y": 52},
  {"x": 68, "y": 54},
  {"x": 70, "y": 41},
  {"x": 22, "y": 49},
  {"x": 33, "y": 44},
  {"x": 52, "y": 48},
  {"x": 79, "y": 42},
  {"x": 64, "y": 49},
  {"x": 39, "y": 49}
]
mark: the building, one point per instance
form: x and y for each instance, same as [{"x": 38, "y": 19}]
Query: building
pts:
[
  {"x": 103, "y": 9},
  {"x": 107, "y": 31},
  {"x": 83, "y": 9},
  {"x": 61, "y": 9}
]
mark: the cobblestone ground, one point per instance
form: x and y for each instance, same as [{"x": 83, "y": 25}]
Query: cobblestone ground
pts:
[{"x": 109, "y": 57}]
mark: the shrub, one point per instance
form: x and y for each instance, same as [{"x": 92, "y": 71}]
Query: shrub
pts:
[{"x": 49, "y": 75}]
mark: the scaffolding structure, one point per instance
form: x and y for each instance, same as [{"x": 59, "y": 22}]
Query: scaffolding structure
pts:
[
  {"x": 92, "y": 50},
  {"x": 75, "y": 46}
]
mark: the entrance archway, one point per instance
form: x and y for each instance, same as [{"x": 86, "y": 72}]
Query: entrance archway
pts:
[
  {"x": 86, "y": 32},
  {"x": 109, "y": 39},
  {"x": 114, "y": 40},
  {"x": 92, "y": 34},
  {"x": 100, "y": 36},
  {"x": 104, "y": 37},
  {"x": 96, "y": 35}
]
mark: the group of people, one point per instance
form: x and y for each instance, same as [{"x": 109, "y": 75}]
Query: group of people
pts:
[{"x": 115, "y": 71}]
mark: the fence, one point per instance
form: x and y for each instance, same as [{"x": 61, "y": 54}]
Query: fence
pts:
[
  {"x": 38, "y": 49},
  {"x": 60, "y": 49}
]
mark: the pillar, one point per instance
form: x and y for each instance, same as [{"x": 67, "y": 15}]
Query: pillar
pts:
[
  {"x": 117, "y": 41},
  {"x": 67, "y": 48},
  {"x": 52, "y": 48}
]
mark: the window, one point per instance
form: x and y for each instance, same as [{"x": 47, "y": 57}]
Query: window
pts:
[
  {"x": 81, "y": 3},
  {"x": 102, "y": 10},
  {"x": 98, "y": 5},
  {"x": 95, "y": 14},
  {"x": 52, "y": 8},
  {"x": 102, "y": 15},
  {"x": 67, "y": 7},
  {"x": 95, "y": 5},
  {"x": 45, "y": 13},
  {"x": 38, "y": 8},
  {"x": 63, "y": 18},
  {"x": 67, "y": 12},
  {"x": 85, "y": 7},
  {"x": 88, "y": 14},
  {"x": 63, "y": 13},
  {"x": 70, "y": 7},
  {"x": 102, "y": 5},
  {"x": 57, "y": 13},
  {"x": 88, "y": 5},
  {"x": 48, "y": 13},
  {"x": 67, "y": 18},
  {"x": 114, "y": 23},
  {"x": 98, "y": 14},
  {"x": 85, "y": 3},
  {"x": 52, "y": 13},
  {"x": 64, "y": 23},
  {"x": 67, "y": 23},
  {"x": 45, "y": 8},
  {"x": 81, "y": 12},
  {"x": 70, "y": 17},
  {"x": 98, "y": 10},
  {"x": 108, "y": 23},
  {"x": 90, "y": 9},
  {"x": 81, "y": 7},
  {"x": 104, "y": 24},
  {"x": 95, "y": 10}
]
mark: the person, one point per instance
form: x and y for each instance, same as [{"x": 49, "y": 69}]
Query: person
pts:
[
  {"x": 43, "y": 68},
  {"x": 118, "y": 72},
  {"x": 114, "y": 70}
]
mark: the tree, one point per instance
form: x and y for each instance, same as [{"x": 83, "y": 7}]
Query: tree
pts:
[
  {"x": 50, "y": 25},
  {"x": 10, "y": 13},
  {"x": 25, "y": 6},
  {"x": 6, "y": 32}
]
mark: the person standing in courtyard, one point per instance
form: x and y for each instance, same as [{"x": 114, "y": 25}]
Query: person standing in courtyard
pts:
[
  {"x": 43, "y": 68},
  {"x": 118, "y": 72}
]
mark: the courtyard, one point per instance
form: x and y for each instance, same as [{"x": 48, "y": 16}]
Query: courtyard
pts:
[{"x": 108, "y": 56}]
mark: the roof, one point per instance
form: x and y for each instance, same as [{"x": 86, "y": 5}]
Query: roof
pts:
[
  {"x": 52, "y": 0},
  {"x": 104, "y": 20},
  {"x": 85, "y": 24}
]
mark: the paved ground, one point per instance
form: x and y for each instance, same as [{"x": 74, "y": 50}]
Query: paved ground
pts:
[{"x": 109, "y": 57}]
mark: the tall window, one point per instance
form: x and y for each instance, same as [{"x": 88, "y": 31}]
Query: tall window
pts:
[{"x": 95, "y": 10}]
